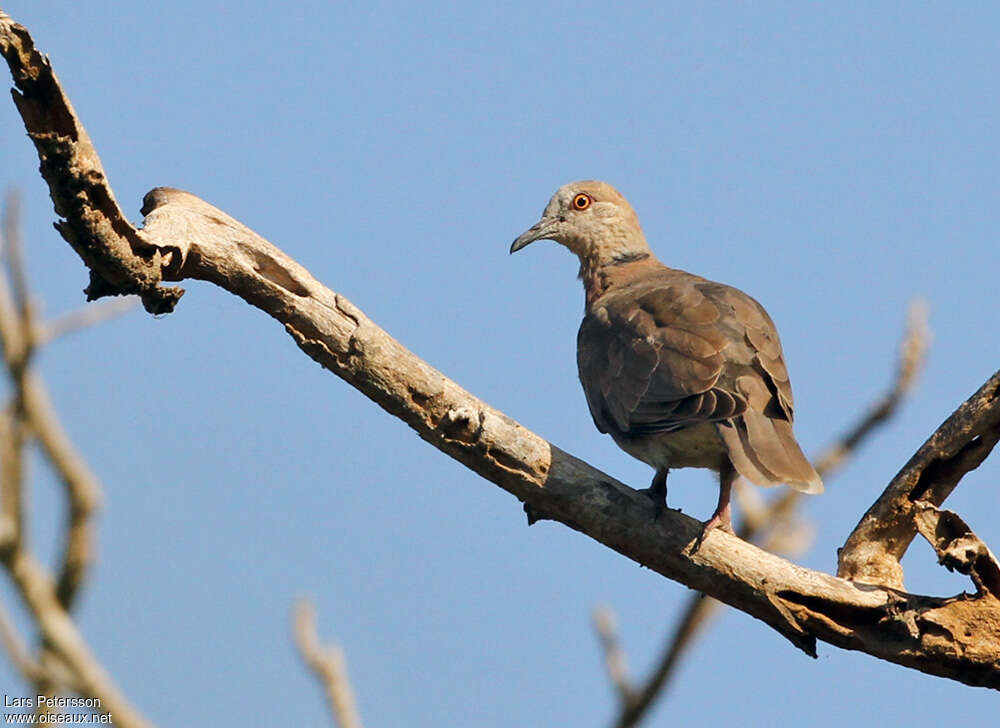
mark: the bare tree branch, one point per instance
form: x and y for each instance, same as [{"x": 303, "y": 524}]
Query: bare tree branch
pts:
[
  {"x": 64, "y": 660},
  {"x": 16, "y": 320},
  {"x": 93, "y": 223},
  {"x": 910, "y": 362},
  {"x": 58, "y": 630},
  {"x": 83, "y": 490},
  {"x": 614, "y": 656},
  {"x": 957, "y": 547},
  {"x": 16, "y": 649},
  {"x": 32, "y": 411},
  {"x": 14, "y": 250},
  {"x": 328, "y": 665},
  {"x": 873, "y": 551},
  {"x": 191, "y": 239}
]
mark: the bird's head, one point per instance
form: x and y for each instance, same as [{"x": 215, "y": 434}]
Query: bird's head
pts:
[{"x": 593, "y": 220}]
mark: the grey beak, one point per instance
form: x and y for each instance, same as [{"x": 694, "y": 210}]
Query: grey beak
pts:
[{"x": 541, "y": 230}]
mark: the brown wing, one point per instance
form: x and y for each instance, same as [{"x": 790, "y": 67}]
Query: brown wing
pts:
[
  {"x": 650, "y": 355},
  {"x": 761, "y": 443},
  {"x": 673, "y": 350}
]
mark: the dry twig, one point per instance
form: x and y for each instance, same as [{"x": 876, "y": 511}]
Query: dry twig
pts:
[
  {"x": 64, "y": 660},
  {"x": 17, "y": 650},
  {"x": 327, "y": 663},
  {"x": 84, "y": 318}
]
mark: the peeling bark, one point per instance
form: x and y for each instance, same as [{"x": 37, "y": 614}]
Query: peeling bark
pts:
[{"x": 873, "y": 551}]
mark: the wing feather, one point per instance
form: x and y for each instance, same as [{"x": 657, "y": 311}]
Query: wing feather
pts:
[{"x": 671, "y": 350}]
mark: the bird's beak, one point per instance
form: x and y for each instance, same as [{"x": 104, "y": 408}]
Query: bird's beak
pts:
[{"x": 541, "y": 230}]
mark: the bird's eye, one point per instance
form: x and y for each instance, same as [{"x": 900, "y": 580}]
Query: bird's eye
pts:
[{"x": 582, "y": 201}]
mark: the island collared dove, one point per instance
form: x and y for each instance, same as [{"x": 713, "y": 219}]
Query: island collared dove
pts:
[{"x": 679, "y": 370}]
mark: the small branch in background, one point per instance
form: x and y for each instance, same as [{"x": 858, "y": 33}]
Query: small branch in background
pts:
[
  {"x": 14, "y": 249},
  {"x": 91, "y": 315},
  {"x": 81, "y": 486},
  {"x": 15, "y": 322},
  {"x": 912, "y": 355},
  {"x": 614, "y": 657},
  {"x": 772, "y": 524},
  {"x": 327, "y": 663},
  {"x": 64, "y": 662},
  {"x": 17, "y": 650}
]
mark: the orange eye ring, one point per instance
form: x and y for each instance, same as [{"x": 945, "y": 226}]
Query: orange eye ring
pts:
[{"x": 582, "y": 201}]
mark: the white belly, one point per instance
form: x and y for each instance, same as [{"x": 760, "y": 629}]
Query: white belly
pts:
[{"x": 698, "y": 446}]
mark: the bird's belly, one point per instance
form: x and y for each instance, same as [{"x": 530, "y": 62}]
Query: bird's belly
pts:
[{"x": 698, "y": 446}]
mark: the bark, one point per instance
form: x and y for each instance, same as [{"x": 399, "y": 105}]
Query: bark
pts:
[{"x": 873, "y": 551}]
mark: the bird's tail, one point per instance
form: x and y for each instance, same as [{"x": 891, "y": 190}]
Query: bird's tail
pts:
[{"x": 764, "y": 451}]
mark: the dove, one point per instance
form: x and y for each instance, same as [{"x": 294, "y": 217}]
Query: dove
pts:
[{"x": 681, "y": 371}]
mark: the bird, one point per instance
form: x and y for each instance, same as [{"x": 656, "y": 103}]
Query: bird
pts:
[{"x": 681, "y": 371}]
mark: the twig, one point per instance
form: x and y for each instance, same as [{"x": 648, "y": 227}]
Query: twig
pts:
[
  {"x": 82, "y": 488},
  {"x": 18, "y": 652},
  {"x": 910, "y": 362},
  {"x": 12, "y": 474},
  {"x": 327, "y": 663},
  {"x": 16, "y": 353},
  {"x": 31, "y": 410},
  {"x": 60, "y": 633},
  {"x": 14, "y": 249},
  {"x": 64, "y": 659},
  {"x": 614, "y": 657},
  {"x": 91, "y": 315}
]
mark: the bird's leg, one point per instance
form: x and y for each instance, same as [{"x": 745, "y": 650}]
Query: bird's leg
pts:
[
  {"x": 657, "y": 492},
  {"x": 722, "y": 517}
]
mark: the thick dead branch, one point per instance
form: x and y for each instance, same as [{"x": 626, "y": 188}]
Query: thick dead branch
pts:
[
  {"x": 957, "y": 637},
  {"x": 328, "y": 665},
  {"x": 873, "y": 551},
  {"x": 801, "y": 604},
  {"x": 92, "y": 224}
]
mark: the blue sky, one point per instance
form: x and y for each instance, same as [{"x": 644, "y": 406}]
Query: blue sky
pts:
[{"x": 833, "y": 160}]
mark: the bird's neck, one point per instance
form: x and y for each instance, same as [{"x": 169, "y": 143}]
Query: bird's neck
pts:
[{"x": 600, "y": 276}]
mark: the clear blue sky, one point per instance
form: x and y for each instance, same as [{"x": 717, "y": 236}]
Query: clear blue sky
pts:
[{"x": 833, "y": 160}]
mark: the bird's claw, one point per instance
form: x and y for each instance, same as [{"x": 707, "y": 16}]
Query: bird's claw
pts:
[
  {"x": 659, "y": 499},
  {"x": 719, "y": 521}
]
